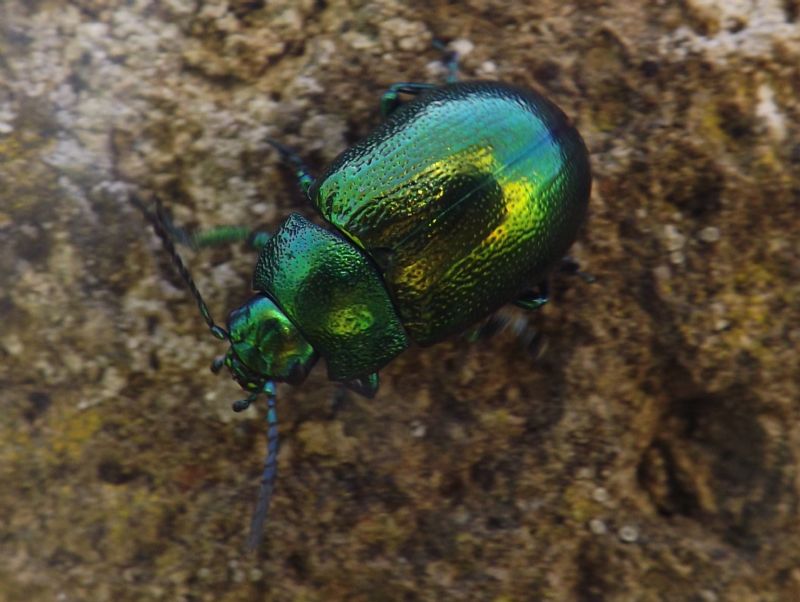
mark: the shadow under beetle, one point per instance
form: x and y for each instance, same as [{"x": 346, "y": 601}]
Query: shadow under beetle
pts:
[{"x": 461, "y": 201}]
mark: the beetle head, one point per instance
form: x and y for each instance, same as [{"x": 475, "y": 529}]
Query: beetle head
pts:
[{"x": 265, "y": 346}]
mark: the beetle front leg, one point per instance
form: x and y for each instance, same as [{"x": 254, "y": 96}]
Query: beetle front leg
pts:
[
  {"x": 218, "y": 236},
  {"x": 213, "y": 237},
  {"x": 221, "y": 235}
]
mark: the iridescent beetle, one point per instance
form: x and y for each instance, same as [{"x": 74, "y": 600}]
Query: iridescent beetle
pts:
[{"x": 460, "y": 202}]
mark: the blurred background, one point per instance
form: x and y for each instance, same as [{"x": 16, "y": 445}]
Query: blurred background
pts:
[{"x": 648, "y": 448}]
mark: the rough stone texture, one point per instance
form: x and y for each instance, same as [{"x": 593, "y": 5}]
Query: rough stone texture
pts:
[{"x": 650, "y": 452}]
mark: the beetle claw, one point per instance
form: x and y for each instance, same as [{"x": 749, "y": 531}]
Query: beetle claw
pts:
[
  {"x": 217, "y": 364},
  {"x": 242, "y": 404}
]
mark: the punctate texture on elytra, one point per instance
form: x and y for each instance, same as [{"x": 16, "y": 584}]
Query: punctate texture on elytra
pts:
[{"x": 464, "y": 197}]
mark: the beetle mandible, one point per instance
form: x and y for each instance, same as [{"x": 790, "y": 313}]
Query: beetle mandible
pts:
[{"x": 461, "y": 201}]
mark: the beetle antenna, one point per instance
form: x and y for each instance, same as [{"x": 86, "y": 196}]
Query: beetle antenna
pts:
[
  {"x": 270, "y": 471},
  {"x": 159, "y": 221}
]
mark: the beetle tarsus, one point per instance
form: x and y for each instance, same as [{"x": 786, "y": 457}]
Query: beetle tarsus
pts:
[
  {"x": 242, "y": 404},
  {"x": 390, "y": 101},
  {"x": 450, "y": 60},
  {"x": 217, "y": 364},
  {"x": 520, "y": 327},
  {"x": 533, "y": 300},
  {"x": 365, "y": 385},
  {"x": 291, "y": 158},
  {"x": 571, "y": 266}
]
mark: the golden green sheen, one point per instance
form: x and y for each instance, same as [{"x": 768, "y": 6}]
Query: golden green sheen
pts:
[
  {"x": 334, "y": 296},
  {"x": 465, "y": 197}
]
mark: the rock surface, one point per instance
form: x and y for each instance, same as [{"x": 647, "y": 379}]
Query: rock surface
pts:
[{"x": 649, "y": 451}]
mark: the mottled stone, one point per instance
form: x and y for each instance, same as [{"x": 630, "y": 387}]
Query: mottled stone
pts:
[{"x": 648, "y": 448}]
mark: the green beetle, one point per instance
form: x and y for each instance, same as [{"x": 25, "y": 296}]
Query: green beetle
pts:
[{"x": 460, "y": 202}]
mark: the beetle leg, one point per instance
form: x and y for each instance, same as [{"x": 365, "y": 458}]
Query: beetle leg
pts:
[
  {"x": 533, "y": 300},
  {"x": 291, "y": 158},
  {"x": 364, "y": 385},
  {"x": 519, "y": 325},
  {"x": 569, "y": 265},
  {"x": 221, "y": 235},
  {"x": 450, "y": 60},
  {"x": 213, "y": 237},
  {"x": 390, "y": 100}
]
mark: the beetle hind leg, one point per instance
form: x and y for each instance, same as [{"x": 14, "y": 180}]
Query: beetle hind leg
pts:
[
  {"x": 390, "y": 101},
  {"x": 449, "y": 59}
]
